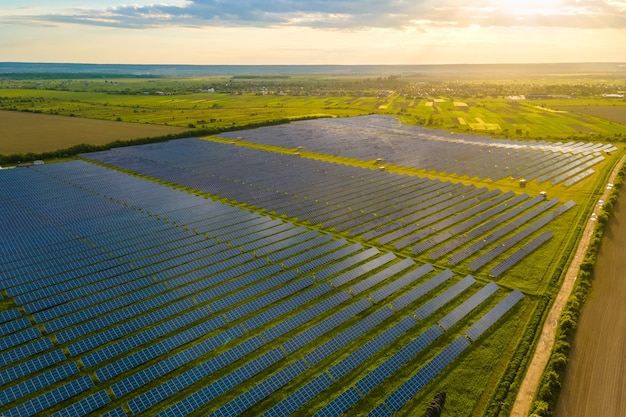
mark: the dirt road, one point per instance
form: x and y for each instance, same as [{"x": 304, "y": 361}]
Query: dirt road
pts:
[{"x": 531, "y": 380}]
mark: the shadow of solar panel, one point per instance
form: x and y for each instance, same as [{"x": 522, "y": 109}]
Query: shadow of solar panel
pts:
[{"x": 493, "y": 315}]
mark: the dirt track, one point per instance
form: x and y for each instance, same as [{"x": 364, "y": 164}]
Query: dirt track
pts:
[
  {"x": 531, "y": 380},
  {"x": 595, "y": 379}
]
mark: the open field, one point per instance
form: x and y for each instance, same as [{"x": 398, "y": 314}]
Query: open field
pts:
[
  {"x": 614, "y": 112},
  {"x": 594, "y": 379},
  {"x": 282, "y": 268},
  {"x": 29, "y": 132}
]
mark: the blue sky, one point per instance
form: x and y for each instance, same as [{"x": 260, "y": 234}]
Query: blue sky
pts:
[{"x": 313, "y": 31}]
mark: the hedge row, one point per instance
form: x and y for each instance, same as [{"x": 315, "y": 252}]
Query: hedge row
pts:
[
  {"x": 84, "y": 148},
  {"x": 547, "y": 395}
]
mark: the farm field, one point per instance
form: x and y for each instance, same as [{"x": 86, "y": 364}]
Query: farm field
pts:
[
  {"x": 613, "y": 112},
  {"x": 237, "y": 277},
  {"x": 399, "y": 237},
  {"x": 29, "y": 132},
  {"x": 595, "y": 378}
]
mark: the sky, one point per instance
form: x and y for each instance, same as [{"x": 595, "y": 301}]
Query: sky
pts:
[{"x": 346, "y": 32}]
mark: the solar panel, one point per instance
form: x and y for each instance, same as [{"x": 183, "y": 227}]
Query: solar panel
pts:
[
  {"x": 468, "y": 305},
  {"x": 406, "y": 391},
  {"x": 443, "y": 298},
  {"x": 324, "y": 350},
  {"x": 300, "y": 397},
  {"x": 394, "y": 362},
  {"x": 258, "y": 392},
  {"x": 493, "y": 315},
  {"x": 417, "y": 292}
]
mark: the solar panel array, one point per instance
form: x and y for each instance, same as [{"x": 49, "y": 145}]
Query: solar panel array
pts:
[
  {"x": 126, "y": 296},
  {"x": 372, "y": 137},
  {"x": 409, "y": 213}
]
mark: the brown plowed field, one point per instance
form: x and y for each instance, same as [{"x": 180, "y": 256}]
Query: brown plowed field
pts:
[
  {"x": 615, "y": 113},
  {"x": 32, "y": 132},
  {"x": 595, "y": 380}
]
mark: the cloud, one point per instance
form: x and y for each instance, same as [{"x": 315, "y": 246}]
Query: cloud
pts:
[{"x": 352, "y": 14}]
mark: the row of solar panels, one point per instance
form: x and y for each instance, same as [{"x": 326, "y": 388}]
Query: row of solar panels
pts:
[
  {"x": 406, "y": 211},
  {"x": 372, "y": 137},
  {"x": 135, "y": 323}
]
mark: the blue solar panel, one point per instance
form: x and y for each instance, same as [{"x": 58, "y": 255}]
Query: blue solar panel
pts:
[
  {"x": 300, "y": 397},
  {"x": 34, "y": 364},
  {"x": 325, "y": 350},
  {"x": 340, "y": 404},
  {"x": 400, "y": 283},
  {"x": 380, "y": 411},
  {"x": 443, "y": 298},
  {"x": 19, "y": 390},
  {"x": 325, "y": 325},
  {"x": 258, "y": 392},
  {"x": 421, "y": 290},
  {"x": 394, "y": 362},
  {"x": 406, "y": 391},
  {"x": 211, "y": 391},
  {"x": 370, "y": 348},
  {"x": 51, "y": 398},
  {"x": 84, "y": 406},
  {"x": 362, "y": 269},
  {"x": 493, "y": 315},
  {"x": 468, "y": 305},
  {"x": 305, "y": 316},
  {"x": 381, "y": 276}
]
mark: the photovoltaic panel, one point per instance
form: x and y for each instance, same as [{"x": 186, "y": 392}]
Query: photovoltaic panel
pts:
[
  {"x": 400, "y": 283},
  {"x": 370, "y": 348},
  {"x": 486, "y": 321},
  {"x": 406, "y": 391},
  {"x": 84, "y": 406},
  {"x": 417, "y": 292},
  {"x": 340, "y": 404},
  {"x": 326, "y": 349},
  {"x": 259, "y": 391},
  {"x": 300, "y": 397},
  {"x": 443, "y": 298},
  {"x": 468, "y": 305}
]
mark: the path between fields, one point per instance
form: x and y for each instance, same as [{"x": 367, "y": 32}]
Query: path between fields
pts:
[{"x": 527, "y": 390}]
